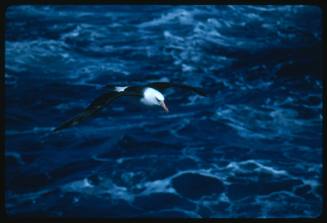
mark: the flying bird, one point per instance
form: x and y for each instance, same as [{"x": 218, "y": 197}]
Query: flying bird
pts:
[{"x": 149, "y": 94}]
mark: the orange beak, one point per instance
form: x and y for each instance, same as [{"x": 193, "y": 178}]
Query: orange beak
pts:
[{"x": 163, "y": 105}]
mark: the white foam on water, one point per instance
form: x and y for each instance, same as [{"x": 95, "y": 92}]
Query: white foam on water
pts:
[
  {"x": 163, "y": 185},
  {"x": 106, "y": 186},
  {"x": 242, "y": 167},
  {"x": 183, "y": 16}
]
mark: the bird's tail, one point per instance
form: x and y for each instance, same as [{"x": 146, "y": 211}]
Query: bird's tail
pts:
[{"x": 115, "y": 88}]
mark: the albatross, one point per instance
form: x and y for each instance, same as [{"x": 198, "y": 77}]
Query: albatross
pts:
[{"x": 149, "y": 94}]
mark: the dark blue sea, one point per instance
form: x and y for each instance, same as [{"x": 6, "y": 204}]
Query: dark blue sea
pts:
[{"x": 251, "y": 148}]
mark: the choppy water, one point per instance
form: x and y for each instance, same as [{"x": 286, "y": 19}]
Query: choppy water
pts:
[{"x": 253, "y": 148}]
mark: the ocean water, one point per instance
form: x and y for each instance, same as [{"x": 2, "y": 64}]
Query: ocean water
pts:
[{"x": 252, "y": 148}]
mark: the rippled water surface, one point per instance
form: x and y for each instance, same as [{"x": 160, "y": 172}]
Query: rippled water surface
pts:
[{"x": 252, "y": 148}]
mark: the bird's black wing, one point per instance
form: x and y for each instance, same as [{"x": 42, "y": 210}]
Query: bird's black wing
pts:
[
  {"x": 94, "y": 107},
  {"x": 164, "y": 85}
]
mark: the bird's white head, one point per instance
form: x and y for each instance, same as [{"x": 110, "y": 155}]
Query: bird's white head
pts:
[{"x": 152, "y": 96}]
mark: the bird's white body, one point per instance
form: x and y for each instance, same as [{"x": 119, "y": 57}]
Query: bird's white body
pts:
[
  {"x": 152, "y": 97},
  {"x": 120, "y": 89}
]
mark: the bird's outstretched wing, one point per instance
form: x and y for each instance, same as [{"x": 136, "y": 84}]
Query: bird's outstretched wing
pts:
[
  {"x": 94, "y": 107},
  {"x": 164, "y": 85}
]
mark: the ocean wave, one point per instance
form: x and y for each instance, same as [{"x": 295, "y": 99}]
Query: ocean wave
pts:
[{"x": 253, "y": 142}]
